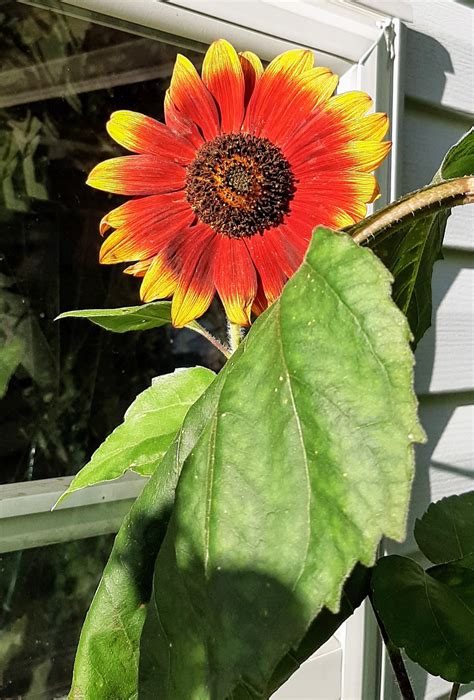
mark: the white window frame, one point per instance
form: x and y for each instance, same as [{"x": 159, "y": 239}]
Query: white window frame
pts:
[{"x": 363, "y": 44}]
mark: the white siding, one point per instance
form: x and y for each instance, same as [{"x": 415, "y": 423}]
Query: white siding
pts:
[{"x": 439, "y": 105}]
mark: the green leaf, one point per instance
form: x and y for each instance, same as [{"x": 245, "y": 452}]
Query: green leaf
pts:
[
  {"x": 355, "y": 590},
  {"x": 305, "y": 463},
  {"x": 459, "y": 160},
  {"x": 106, "y": 664},
  {"x": 429, "y": 613},
  {"x": 446, "y": 530},
  {"x": 149, "y": 427},
  {"x": 411, "y": 251},
  {"x": 128, "y": 318}
]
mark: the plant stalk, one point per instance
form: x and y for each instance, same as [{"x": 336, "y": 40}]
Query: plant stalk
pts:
[
  {"x": 226, "y": 351},
  {"x": 414, "y": 206},
  {"x": 396, "y": 659},
  {"x": 234, "y": 332},
  {"x": 454, "y": 691}
]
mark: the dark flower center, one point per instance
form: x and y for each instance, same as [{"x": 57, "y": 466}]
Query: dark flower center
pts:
[{"x": 240, "y": 184}]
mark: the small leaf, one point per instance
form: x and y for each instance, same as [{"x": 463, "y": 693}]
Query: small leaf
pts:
[
  {"x": 459, "y": 160},
  {"x": 106, "y": 664},
  {"x": 429, "y": 613},
  {"x": 128, "y": 318},
  {"x": 305, "y": 462},
  {"x": 149, "y": 427},
  {"x": 446, "y": 530}
]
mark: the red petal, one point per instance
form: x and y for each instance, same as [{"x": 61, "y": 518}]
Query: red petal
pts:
[
  {"x": 235, "y": 278},
  {"x": 135, "y": 175},
  {"x": 143, "y": 236},
  {"x": 195, "y": 288},
  {"x": 278, "y": 75},
  {"x": 295, "y": 101},
  {"x": 192, "y": 99},
  {"x": 180, "y": 124},
  {"x": 267, "y": 263},
  {"x": 224, "y": 78},
  {"x": 253, "y": 71},
  {"x": 143, "y": 134}
]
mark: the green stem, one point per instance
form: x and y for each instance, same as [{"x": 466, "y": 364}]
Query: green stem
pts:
[
  {"x": 414, "y": 206},
  {"x": 454, "y": 691},
  {"x": 195, "y": 326},
  {"x": 396, "y": 660},
  {"x": 234, "y": 332}
]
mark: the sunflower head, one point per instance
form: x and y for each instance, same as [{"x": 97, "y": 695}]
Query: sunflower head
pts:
[{"x": 227, "y": 192}]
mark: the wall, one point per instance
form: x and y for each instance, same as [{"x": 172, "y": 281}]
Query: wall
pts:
[{"x": 439, "y": 104}]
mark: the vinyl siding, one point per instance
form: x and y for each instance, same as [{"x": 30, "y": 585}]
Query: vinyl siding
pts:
[{"x": 439, "y": 105}]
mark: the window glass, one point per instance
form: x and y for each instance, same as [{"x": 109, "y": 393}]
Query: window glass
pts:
[
  {"x": 44, "y": 596},
  {"x": 66, "y": 385}
]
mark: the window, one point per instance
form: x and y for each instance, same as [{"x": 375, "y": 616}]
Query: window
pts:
[{"x": 66, "y": 385}]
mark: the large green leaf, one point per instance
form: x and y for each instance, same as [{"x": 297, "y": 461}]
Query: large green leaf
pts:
[
  {"x": 429, "y": 613},
  {"x": 305, "y": 462},
  {"x": 106, "y": 665},
  {"x": 446, "y": 530},
  {"x": 355, "y": 590},
  {"x": 149, "y": 427},
  {"x": 410, "y": 251}
]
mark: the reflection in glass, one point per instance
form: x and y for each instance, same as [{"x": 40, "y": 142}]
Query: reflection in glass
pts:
[
  {"x": 66, "y": 385},
  {"x": 44, "y": 596}
]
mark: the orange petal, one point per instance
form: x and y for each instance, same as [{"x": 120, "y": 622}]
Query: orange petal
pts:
[
  {"x": 252, "y": 69},
  {"x": 368, "y": 155},
  {"x": 278, "y": 75},
  {"x": 235, "y": 278},
  {"x": 223, "y": 76},
  {"x": 195, "y": 289},
  {"x": 142, "y": 134},
  {"x": 192, "y": 99},
  {"x": 135, "y": 175}
]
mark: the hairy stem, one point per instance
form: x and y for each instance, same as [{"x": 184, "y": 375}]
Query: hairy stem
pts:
[
  {"x": 396, "y": 660},
  {"x": 454, "y": 691},
  {"x": 415, "y": 206},
  {"x": 226, "y": 351},
  {"x": 234, "y": 332}
]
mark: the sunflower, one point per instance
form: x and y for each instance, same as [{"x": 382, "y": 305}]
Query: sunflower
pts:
[{"x": 227, "y": 192}]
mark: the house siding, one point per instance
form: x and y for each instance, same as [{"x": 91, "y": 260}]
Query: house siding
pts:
[{"x": 438, "y": 110}]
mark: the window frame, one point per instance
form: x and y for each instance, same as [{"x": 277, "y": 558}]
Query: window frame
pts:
[{"x": 26, "y": 516}]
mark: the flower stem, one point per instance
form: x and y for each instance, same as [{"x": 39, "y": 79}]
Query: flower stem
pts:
[
  {"x": 234, "y": 333},
  {"x": 414, "y": 206},
  {"x": 396, "y": 660},
  {"x": 454, "y": 691},
  {"x": 195, "y": 326}
]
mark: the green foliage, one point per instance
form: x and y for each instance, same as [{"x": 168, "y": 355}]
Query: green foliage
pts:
[
  {"x": 149, "y": 426},
  {"x": 107, "y": 658},
  {"x": 264, "y": 531},
  {"x": 128, "y": 318},
  {"x": 446, "y": 530},
  {"x": 355, "y": 590},
  {"x": 410, "y": 251},
  {"x": 436, "y": 605},
  {"x": 429, "y": 613}
]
